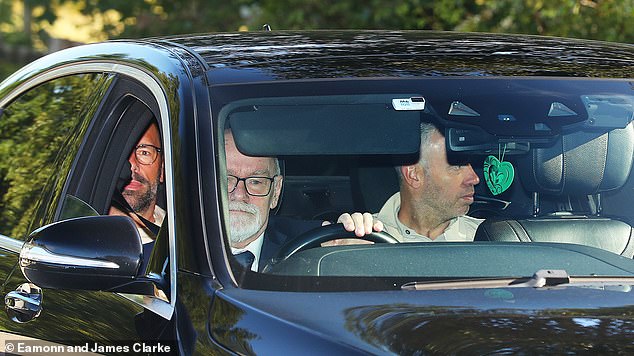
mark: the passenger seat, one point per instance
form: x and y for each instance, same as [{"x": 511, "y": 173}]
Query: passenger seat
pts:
[{"x": 578, "y": 168}]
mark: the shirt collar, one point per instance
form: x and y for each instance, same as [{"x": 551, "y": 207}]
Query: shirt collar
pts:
[
  {"x": 255, "y": 247},
  {"x": 390, "y": 211},
  {"x": 159, "y": 215}
]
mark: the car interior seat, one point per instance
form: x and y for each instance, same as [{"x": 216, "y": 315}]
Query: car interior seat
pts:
[
  {"x": 372, "y": 186},
  {"x": 574, "y": 172}
]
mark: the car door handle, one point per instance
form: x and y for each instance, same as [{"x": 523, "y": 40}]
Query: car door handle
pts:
[{"x": 24, "y": 303}]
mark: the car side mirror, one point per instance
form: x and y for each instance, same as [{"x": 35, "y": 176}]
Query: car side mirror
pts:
[{"x": 87, "y": 253}]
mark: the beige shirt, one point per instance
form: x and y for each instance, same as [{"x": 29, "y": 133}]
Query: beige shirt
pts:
[
  {"x": 159, "y": 216},
  {"x": 462, "y": 228}
]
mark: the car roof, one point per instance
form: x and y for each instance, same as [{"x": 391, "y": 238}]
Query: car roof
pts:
[{"x": 286, "y": 55}]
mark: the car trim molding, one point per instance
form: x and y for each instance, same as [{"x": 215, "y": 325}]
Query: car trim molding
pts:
[
  {"x": 38, "y": 254},
  {"x": 10, "y": 244}
]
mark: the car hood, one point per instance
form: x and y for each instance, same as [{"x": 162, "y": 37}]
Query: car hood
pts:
[{"x": 470, "y": 321}]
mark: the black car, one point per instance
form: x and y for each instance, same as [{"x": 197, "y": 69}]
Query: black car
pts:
[{"x": 546, "y": 123}]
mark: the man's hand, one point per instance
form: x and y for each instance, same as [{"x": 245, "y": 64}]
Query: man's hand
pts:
[{"x": 361, "y": 224}]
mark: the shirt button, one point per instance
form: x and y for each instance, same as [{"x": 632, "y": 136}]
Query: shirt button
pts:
[{"x": 407, "y": 232}]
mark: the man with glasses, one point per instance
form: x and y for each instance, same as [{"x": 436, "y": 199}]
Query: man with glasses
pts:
[
  {"x": 140, "y": 193},
  {"x": 254, "y": 185}
]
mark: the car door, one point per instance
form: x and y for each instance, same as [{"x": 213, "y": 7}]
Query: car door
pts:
[{"x": 52, "y": 153}]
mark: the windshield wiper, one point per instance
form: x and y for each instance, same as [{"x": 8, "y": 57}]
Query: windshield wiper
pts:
[{"x": 542, "y": 278}]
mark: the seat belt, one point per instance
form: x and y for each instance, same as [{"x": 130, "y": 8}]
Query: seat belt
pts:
[{"x": 120, "y": 203}]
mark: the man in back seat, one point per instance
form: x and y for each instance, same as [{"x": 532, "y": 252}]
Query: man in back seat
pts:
[{"x": 141, "y": 191}]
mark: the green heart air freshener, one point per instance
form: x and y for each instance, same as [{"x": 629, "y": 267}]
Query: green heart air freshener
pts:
[{"x": 498, "y": 174}]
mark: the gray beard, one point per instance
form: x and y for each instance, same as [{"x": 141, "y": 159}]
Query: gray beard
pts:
[
  {"x": 243, "y": 227},
  {"x": 141, "y": 202}
]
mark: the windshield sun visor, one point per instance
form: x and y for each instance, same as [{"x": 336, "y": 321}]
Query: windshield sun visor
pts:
[{"x": 327, "y": 125}]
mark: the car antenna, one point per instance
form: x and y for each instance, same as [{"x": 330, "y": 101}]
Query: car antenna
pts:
[{"x": 266, "y": 27}]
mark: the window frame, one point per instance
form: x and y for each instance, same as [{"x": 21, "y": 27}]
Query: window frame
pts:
[{"x": 151, "y": 88}]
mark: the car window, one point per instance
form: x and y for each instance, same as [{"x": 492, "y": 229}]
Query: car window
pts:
[
  {"x": 74, "y": 207},
  {"x": 500, "y": 161},
  {"x": 101, "y": 139},
  {"x": 40, "y": 134}
]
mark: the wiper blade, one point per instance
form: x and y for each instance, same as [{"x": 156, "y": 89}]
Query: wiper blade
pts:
[{"x": 542, "y": 278}]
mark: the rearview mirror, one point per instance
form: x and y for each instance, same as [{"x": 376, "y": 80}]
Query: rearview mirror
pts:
[{"x": 88, "y": 253}]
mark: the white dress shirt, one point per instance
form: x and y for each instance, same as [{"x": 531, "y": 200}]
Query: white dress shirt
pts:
[{"x": 255, "y": 247}]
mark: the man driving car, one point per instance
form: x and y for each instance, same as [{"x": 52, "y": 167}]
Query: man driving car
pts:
[{"x": 254, "y": 185}]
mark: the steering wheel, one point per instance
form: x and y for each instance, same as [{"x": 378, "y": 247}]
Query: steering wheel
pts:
[{"x": 317, "y": 236}]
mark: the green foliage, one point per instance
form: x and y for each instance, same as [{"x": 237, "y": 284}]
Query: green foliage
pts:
[
  {"x": 38, "y": 135},
  {"x": 6, "y": 68},
  {"x": 594, "y": 19},
  {"x": 609, "y": 20},
  {"x": 164, "y": 17},
  {"x": 5, "y": 10},
  {"x": 605, "y": 20},
  {"x": 597, "y": 19},
  {"x": 357, "y": 14}
]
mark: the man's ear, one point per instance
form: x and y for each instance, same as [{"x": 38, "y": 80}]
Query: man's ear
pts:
[
  {"x": 277, "y": 190},
  {"x": 412, "y": 175},
  {"x": 161, "y": 179}
]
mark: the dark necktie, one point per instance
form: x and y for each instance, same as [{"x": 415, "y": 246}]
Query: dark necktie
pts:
[{"x": 245, "y": 259}]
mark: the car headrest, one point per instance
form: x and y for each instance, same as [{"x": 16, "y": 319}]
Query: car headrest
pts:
[
  {"x": 372, "y": 186},
  {"x": 580, "y": 163}
]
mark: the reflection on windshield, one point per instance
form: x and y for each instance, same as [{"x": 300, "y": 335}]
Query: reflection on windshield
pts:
[{"x": 513, "y": 169}]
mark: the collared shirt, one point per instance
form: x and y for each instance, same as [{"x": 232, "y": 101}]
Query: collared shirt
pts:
[
  {"x": 461, "y": 228},
  {"x": 159, "y": 216},
  {"x": 255, "y": 247}
]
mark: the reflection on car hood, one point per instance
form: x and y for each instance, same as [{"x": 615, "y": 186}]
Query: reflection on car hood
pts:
[
  {"x": 410, "y": 329},
  {"x": 472, "y": 321}
]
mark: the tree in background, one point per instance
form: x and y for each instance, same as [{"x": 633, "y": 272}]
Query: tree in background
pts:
[
  {"x": 360, "y": 14},
  {"x": 163, "y": 17},
  {"x": 609, "y": 20},
  {"x": 595, "y": 19},
  {"x": 28, "y": 22},
  {"x": 19, "y": 32}
]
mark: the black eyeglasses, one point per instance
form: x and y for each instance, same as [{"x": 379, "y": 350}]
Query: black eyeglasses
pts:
[
  {"x": 146, "y": 154},
  {"x": 256, "y": 186}
]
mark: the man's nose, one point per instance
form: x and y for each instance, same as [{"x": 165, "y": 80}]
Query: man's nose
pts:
[
  {"x": 471, "y": 178},
  {"x": 133, "y": 163},
  {"x": 239, "y": 193}
]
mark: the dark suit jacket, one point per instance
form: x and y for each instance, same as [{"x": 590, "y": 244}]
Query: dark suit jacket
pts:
[{"x": 280, "y": 230}]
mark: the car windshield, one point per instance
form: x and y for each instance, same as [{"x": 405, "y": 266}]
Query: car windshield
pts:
[{"x": 471, "y": 178}]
